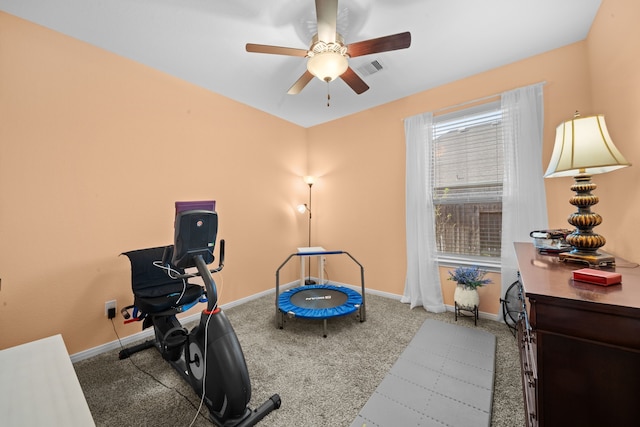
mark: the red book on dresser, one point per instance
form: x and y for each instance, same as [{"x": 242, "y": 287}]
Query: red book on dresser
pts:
[{"x": 597, "y": 277}]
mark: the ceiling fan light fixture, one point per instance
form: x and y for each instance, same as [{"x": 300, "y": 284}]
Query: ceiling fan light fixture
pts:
[
  {"x": 328, "y": 56},
  {"x": 327, "y": 66}
]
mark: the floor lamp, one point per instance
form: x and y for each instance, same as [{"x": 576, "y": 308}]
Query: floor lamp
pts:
[
  {"x": 583, "y": 148},
  {"x": 309, "y": 180}
]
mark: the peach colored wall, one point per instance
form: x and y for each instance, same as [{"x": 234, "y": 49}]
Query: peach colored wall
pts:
[
  {"x": 94, "y": 151},
  {"x": 361, "y": 204},
  {"x": 360, "y": 159},
  {"x": 361, "y": 166},
  {"x": 88, "y": 151},
  {"x": 614, "y": 63}
]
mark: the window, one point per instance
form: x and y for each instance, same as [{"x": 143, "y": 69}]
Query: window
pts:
[{"x": 467, "y": 182}]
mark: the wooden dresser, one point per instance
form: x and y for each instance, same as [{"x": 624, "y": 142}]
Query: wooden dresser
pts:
[{"x": 579, "y": 345}]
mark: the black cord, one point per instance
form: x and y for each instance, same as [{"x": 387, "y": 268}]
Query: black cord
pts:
[{"x": 155, "y": 378}]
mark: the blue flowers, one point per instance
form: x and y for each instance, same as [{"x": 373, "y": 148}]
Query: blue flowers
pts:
[{"x": 471, "y": 277}]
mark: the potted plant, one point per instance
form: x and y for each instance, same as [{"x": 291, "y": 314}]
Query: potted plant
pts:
[{"x": 469, "y": 279}]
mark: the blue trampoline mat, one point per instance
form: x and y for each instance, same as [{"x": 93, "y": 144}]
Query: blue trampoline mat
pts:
[{"x": 319, "y": 301}]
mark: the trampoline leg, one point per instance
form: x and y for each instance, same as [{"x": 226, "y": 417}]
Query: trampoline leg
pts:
[
  {"x": 279, "y": 319},
  {"x": 324, "y": 334}
]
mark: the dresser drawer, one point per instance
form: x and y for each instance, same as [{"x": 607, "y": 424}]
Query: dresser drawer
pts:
[{"x": 528, "y": 365}]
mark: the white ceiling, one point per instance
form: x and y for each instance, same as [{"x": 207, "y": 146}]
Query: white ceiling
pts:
[{"x": 203, "y": 42}]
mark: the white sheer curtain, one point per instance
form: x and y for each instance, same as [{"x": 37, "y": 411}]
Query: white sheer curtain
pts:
[
  {"x": 422, "y": 284},
  {"x": 524, "y": 206}
]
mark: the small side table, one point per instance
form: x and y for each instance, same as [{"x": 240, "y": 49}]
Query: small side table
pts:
[
  {"x": 474, "y": 312},
  {"x": 312, "y": 251}
]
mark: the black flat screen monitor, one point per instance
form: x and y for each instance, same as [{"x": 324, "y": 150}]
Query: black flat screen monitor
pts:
[{"x": 195, "y": 234}]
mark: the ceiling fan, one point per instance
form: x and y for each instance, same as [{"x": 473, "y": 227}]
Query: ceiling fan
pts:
[{"x": 328, "y": 55}]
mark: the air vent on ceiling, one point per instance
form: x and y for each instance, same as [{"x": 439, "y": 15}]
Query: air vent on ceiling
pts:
[{"x": 370, "y": 68}]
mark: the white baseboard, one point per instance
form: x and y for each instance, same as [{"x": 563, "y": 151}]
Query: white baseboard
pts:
[
  {"x": 148, "y": 333},
  {"x": 451, "y": 308}
]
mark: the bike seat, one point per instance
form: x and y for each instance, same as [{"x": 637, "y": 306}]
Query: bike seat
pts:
[{"x": 154, "y": 290}]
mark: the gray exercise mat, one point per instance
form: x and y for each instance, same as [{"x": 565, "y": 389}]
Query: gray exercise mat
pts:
[{"x": 443, "y": 378}]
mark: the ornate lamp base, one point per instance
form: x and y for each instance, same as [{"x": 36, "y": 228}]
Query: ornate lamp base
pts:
[
  {"x": 597, "y": 259},
  {"x": 584, "y": 241}
]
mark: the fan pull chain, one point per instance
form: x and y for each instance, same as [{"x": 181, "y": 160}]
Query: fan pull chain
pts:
[{"x": 328, "y": 93}]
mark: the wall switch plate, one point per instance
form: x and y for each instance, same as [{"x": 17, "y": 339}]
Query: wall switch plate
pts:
[{"x": 108, "y": 305}]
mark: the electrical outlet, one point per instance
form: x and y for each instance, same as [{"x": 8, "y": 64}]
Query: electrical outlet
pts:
[{"x": 108, "y": 305}]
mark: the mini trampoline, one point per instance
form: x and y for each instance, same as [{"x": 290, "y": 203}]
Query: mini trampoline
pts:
[{"x": 322, "y": 301}]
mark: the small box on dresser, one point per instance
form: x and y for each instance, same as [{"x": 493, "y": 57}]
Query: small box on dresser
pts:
[{"x": 597, "y": 277}]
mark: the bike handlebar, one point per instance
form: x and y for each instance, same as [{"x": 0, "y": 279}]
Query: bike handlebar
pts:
[{"x": 215, "y": 270}]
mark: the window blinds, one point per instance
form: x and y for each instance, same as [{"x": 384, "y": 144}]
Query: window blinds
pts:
[
  {"x": 467, "y": 175},
  {"x": 468, "y": 156}
]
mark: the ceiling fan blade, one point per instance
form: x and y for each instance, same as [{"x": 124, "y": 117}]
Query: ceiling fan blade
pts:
[
  {"x": 276, "y": 50},
  {"x": 301, "y": 83},
  {"x": 327, "y": 15},
  {"x": 381, "y": 44},
  {"x": 354, "y": 81}
]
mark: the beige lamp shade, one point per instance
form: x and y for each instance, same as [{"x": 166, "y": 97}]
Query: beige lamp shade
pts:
[{"x": 583, "y": 146}]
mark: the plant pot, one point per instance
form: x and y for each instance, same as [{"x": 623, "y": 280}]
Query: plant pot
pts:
[{"x": 466, "y": 298}]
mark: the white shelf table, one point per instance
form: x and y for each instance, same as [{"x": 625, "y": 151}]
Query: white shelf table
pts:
[
  {"x": 39, "y": 387},
  {"x": 311, "y": 251}
]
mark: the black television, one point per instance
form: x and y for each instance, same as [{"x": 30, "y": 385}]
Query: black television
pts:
[{"x": 195, "y": 234}]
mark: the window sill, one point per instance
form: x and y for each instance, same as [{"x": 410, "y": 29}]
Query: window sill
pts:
[{"x": 489, "y": 264}]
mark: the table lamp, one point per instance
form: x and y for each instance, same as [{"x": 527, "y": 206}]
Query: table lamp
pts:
[{"x": 583, "y": 148}]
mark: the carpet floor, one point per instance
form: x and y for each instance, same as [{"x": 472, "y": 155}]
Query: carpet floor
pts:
[{"x": 322, "y": 381}]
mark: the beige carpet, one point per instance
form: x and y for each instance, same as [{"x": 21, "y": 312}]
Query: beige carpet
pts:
[{"x": 322, "y": 381}]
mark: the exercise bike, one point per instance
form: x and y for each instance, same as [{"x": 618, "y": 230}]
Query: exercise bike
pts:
[{"x": 209, "y": 357}]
